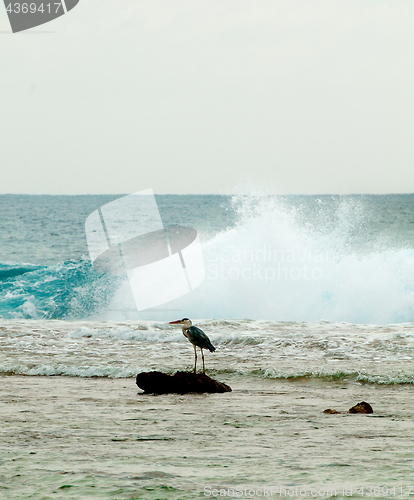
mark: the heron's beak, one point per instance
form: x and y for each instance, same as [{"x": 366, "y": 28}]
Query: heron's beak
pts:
[{"x": 174, "y": 322}]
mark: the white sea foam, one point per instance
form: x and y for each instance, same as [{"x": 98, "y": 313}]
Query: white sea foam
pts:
[
  {"x": 281, "y": 261},
  {"x": 278, "y": 265},
  {"x": 328, "y": 375},
  {"x": 328, "y": 351},
  {"x": 70, "y": 371},
  {"x": 396, "y": 377}
]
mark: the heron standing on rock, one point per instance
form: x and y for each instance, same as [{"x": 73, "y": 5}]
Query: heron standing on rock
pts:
[{"x": 197, "y": 337}]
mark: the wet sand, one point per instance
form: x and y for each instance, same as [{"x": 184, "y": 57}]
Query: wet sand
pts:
[{"x": 66, "y": 437}]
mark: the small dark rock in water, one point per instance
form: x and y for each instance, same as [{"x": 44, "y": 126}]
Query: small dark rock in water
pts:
[
  {"x": 362, "y": 407},
  {"x": 179, "y": 383},
  {"x": 331, "y": 412}
]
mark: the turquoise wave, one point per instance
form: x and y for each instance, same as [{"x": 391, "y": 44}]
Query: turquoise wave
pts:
[{"x": 69, "y": 290}]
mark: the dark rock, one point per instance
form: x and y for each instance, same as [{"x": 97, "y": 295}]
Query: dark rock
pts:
[
  {"x": 179, "y": 383},
  {"x": 331, "y": 412},
  {"x": 362, "y": 407}
]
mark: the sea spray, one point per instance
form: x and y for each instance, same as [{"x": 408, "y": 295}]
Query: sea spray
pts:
[
  {"x": 293, "y": 258},
  {"x": 277, "y": 264}
]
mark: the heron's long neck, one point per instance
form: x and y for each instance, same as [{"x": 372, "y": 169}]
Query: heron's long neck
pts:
[{"x": 185, "y": 328}]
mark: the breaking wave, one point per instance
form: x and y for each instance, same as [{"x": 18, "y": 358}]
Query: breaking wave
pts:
[{"x": 323, "y": 259}]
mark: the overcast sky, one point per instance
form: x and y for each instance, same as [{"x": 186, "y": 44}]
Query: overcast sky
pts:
[{"x": 217, "y": 96}]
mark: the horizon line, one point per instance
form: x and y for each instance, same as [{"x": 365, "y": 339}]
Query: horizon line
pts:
[{"x": 211, "y": 194}]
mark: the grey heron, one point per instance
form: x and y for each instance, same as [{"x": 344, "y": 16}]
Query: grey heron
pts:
[{"x": 197, "y": 337}]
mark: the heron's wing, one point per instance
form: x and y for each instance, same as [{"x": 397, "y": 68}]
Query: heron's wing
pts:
[{"x": 199, "y": 338}]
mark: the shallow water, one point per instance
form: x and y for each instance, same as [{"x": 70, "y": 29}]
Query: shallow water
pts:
[{"x": 66, "y": 437}]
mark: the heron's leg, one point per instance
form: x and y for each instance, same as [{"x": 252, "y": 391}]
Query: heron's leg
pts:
[
  {"x": 202, "y": 354},
  {"x": 195, "y": 358}
]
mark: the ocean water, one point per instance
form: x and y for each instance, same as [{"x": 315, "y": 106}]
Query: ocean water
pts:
[
  {"x": 297, "y": 258},
  {"x": 309, "y": 301}
]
